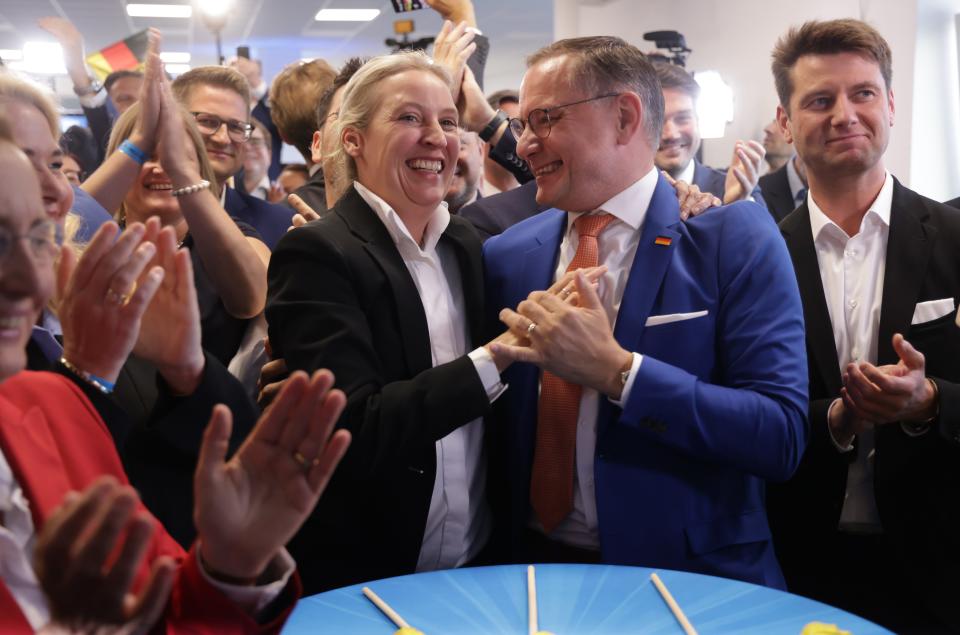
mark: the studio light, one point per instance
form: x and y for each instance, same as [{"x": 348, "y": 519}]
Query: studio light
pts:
[
  {"x": 715, "y": 104},
  {"x": 159, "y": 10},
  {"x": 346, "y": 15}
]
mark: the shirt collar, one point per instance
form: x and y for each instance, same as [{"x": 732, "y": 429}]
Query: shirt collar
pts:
[
  {"x": 793, "y": 178},
  {"x": 879, "y": 209},
  {"x": 686, "y": 174},
  {"x": 397, "y": 228},
  {"x": 630, "y": 205}
]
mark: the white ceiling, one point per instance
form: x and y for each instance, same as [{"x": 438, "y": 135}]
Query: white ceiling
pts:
[{"x": 282, "y": 31}]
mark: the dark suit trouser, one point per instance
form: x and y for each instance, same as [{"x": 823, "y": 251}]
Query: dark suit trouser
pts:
[{"x": 860, "y": 574}]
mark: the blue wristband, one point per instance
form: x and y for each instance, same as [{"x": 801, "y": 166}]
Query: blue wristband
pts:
[{"x": 130, "y": 149}]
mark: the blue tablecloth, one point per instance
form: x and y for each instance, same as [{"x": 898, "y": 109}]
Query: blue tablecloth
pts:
[{"x": 572, "y": 600}]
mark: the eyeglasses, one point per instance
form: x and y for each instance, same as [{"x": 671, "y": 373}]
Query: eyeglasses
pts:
[
  {"x": 539, "y": 120},
  {"x": 238, "y": 131},
  {"x": 41, "y": 239},
  {"x": 256, "y": 142}
]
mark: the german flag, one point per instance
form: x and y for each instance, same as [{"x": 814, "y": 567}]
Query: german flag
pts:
[
  {"x": 127, "y": 54},
  {"x": 663, "y": 241}
]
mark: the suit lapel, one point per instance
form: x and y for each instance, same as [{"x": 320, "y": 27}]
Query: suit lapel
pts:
[
  {"x": 412, "y": 319},
  {"x": 649, "y": 265},
  {"x": 33, "y": 455},
  {"x": 540, "y": 259},
  {"x": 799, "y": 238},
  {"x": 909, "y": 246}
]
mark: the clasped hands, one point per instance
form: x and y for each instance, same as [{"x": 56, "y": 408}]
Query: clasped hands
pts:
[
  {"x": 877, "y": 395},
  {"x": 566, "y": 330}
]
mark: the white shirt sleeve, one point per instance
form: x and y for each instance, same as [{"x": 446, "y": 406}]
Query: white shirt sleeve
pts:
[
  {"x": 628, "y": 385},
  {"x": 254, "y": 599},
  {"x": 487, "y": 370}
]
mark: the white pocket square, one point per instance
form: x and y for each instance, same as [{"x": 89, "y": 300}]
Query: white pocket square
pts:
[
  {"x": 656, "y": 320},
  {"x": 931, "y": 310}
]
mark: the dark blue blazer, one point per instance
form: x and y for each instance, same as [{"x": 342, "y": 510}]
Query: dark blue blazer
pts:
[
  {"x": 714, "y": 181},
  {"x": 270, "y": 220},
  {"x": 491, "y": 215},
  {"x": 718, "y": 405}
]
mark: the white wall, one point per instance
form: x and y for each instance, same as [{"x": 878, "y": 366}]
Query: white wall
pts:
[{"x": 735, "y": 37}]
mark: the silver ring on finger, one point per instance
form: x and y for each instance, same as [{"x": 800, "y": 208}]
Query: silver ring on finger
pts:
[{"x": 531, "y": 328}]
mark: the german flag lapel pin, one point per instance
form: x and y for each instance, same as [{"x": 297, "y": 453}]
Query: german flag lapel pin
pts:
[{"x": 663, "y": 241}]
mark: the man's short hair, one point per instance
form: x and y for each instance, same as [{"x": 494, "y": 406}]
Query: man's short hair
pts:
[
  {"x": 676, "y": 78},
  {"x": 827, "y": 38},
  {"x": 216, "y": 76},
  {"x": 293, "y": 94},
  {"x": 116, "y": 76},
  {"x": 267, "y": 139},
  {"x": 347, "y": 71},
  {"x": 606, "y": 64},
  {"x": 506, "y": 95}
]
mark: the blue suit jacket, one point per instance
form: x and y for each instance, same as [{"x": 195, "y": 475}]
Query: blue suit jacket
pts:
[
  {"x": 718, "y": 404},
  {"x": 714, "y": 181},
  {"x": 270, "y": 220}
]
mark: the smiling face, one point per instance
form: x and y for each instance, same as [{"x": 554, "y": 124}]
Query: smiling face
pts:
[
  {"x": 680, "y": 137},
  {"x": 575, "y": 165},
  {"x": 840, "y": 115},
  {"x": 225, "y": 155},
  {"x": 150, "y": 194},
  {"x": 32, "y": 135},
  {"x": 408, "y": 152},
  {"x": 26, "y": 282}
]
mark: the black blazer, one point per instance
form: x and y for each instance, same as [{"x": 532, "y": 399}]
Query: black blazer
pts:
[
  {"x": 776, "y": 192},
  {"x": 341, "y": 297},
  {"x": 492, "y": 215},
  {"x": 313, "y": 193},
  {"x": 917, "y": 479}
]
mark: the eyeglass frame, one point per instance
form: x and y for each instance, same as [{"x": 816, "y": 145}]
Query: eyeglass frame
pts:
[
  {"x": 523, "y": 124},
  {"x": 42, "y": 248},
  {"x": 247, "y": 126}
]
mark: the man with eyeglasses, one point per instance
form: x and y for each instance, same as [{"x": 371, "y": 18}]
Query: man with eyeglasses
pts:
[
  {"x": 219, "y": 100},
  {"x": 651, "y": 409}
]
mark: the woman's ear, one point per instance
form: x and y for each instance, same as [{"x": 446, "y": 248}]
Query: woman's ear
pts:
[{"x": 352, "y": 140}]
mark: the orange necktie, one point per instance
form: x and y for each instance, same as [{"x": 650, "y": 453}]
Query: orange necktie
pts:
[{"x": 551, "y": 485}]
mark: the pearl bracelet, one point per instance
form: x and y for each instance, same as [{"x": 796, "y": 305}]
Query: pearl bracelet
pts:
[{"x": 190, "y": 189}]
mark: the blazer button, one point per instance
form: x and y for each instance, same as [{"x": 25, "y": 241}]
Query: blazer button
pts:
[{"x": 416, "y": 470}]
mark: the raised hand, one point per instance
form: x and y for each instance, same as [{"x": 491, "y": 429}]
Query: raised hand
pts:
[
  {"x": 100, "y": 307},
  {"x": 87, "y": 558},
  {"x": 170, "y": 327},
  {"x": 246, "y": 509},
  {"x": 144, "y": 134},
  {"x": 455, "y": 10},
  {"x": 72, "y": 44},
  {"x": 452, "y": 48},
  {"x": 744, "y": 172}
]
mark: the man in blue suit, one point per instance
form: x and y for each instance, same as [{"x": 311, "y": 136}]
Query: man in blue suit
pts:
[{"x": 687, "y": 363}]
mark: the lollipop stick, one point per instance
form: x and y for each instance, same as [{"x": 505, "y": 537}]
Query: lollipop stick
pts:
[
  {"x": 383, "y": 606},
  {"x": 532, "y": 601},
  {"x": 674, "y": 607}
]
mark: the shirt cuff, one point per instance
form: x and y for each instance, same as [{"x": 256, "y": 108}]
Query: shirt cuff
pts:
[
  {"x": 94, "y": 100},
  {"x": 474, "y": 30},
  {"x": 254, "y": 599},
  {"x": 489, "y": 375},
  {"x": 833, "y": 439},
  {"x": 628, "y": 385}
]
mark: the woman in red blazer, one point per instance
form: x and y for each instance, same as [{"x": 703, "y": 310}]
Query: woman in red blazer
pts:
[{"x": 100, "y": 559}]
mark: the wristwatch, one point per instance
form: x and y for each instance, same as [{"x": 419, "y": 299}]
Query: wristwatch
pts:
[
  {"x": 92, "y": 89},
  {"x": 492, "y": 127}
]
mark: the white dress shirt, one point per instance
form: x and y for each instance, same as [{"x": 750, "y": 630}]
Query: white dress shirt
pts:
[
  {"x": 617, "y": 245},
  {"x": 458, "y": 522},
  {"x": 852, "y": 271}
]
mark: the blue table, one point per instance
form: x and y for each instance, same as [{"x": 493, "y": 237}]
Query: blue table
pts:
[{"x": 572, "y": 600}]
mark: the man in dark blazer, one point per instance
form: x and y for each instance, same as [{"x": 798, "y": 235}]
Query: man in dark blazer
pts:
[
  {"x": 785, "y": 188},
  {"x": 869, "y": 521},
  {"x": 492, "y": 215},
  {"x": 680, "y": 143}
]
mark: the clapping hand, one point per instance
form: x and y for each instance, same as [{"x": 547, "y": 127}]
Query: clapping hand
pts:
[
  {"x": 250, "y": 506},
  {"x": 87, "y": 576},
  {"x": 693, "y": 202},
  {"x": 452, "y": 48},
  {"x": 100, "y": 307},
  {"x": 744, "y": 172},
  {"x": 170, "y": 328}
]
